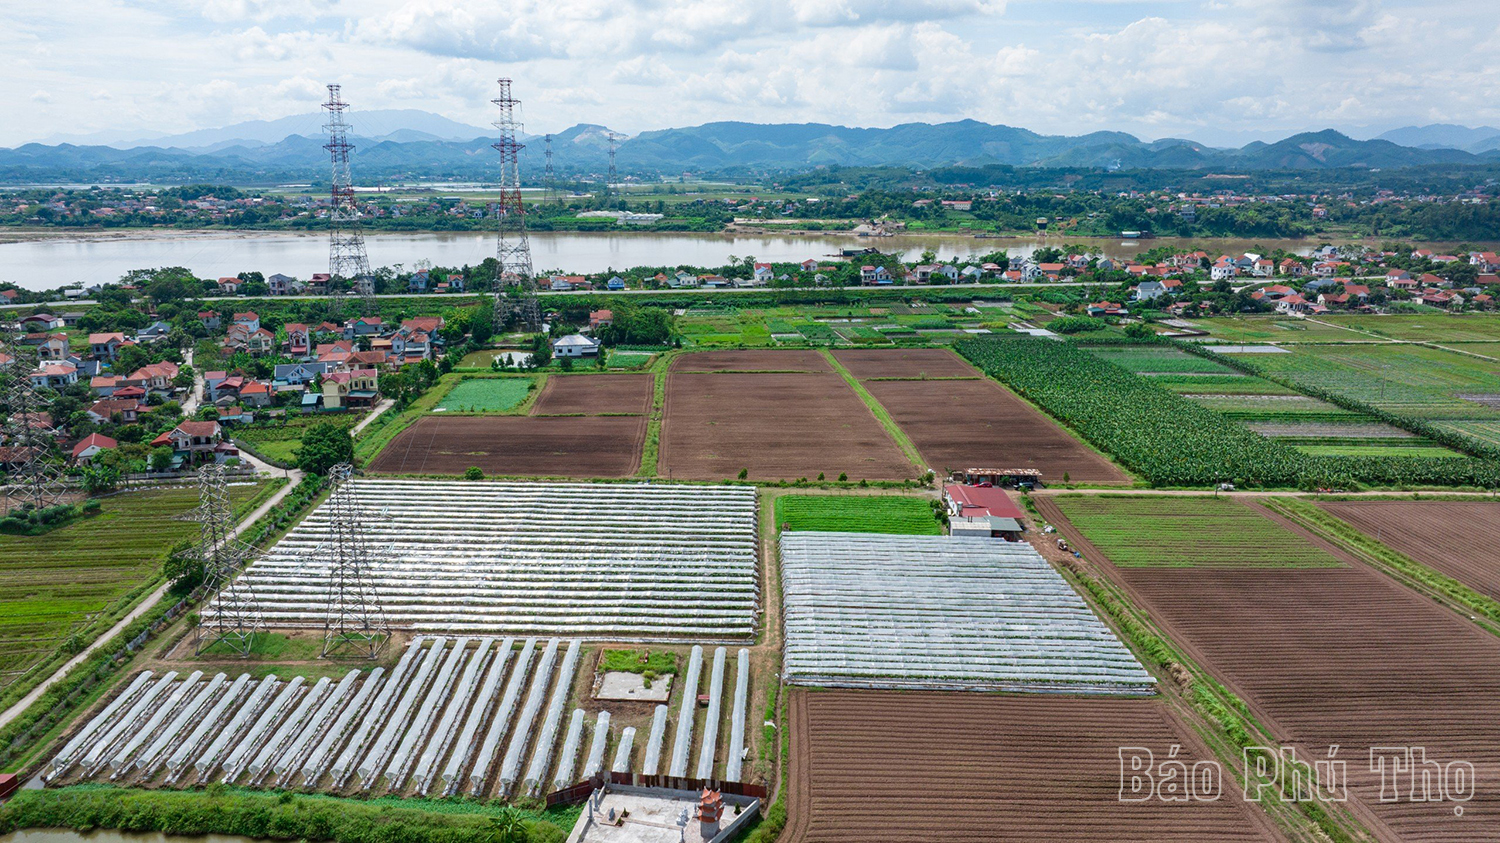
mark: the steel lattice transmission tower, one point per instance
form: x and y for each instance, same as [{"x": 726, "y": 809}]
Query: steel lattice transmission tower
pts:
[
  {"x": 512, "y": 248},
  {"x": 347, "y": 260},
  {"x": 235, "y": 615},
  {"x": 35, "y": 480},
  {"x": 356, "y": 621},
  {"x": 613, "y": 177}
]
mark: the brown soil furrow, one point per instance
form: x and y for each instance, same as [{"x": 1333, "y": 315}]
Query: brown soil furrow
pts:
[{"x": 569, "y": 446}]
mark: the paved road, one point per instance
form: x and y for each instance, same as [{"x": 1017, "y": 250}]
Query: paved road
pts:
[
  {"x": 380, "y": 407},
  {"x": 145, "y": 605}
]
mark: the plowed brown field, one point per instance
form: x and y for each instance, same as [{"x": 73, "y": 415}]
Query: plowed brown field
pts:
[
  {"x": 891, "y": 767},
  {"x": 789, "y": 360},
  {"x": 959, "y": 424},
  {"x": 593, "y": 395},
  {"x": 905, "y": 363},
  {"x": 568, "y": 446},
  {"x": 778, "y": 426},
  {"x": 1345, "y": 657},
  {"x": 1458, "y": 538}
]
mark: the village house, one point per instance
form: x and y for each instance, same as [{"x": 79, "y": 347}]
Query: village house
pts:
[
  {"x": 191, "y": 438},
  {"x": 55, "y": 376},
  {"x": 52, "y": 347},
  {"x": 250, "y": 320},
  {"x": 575, "y": 345},
  {"x": 283, "y": 285},
  {"x": 600, "y": 318},
  {"x": 105, "y": 346},
  {"x": 298, "y": 339},
  {"x": 124, "y": 410},
  {"x": 230, "y": 286},
  {"x": 41, "y": 322},
  {"x": 350, "y": 389},
  {"x": 92, "y": 446},
  {"x": 209, "y": 320}
]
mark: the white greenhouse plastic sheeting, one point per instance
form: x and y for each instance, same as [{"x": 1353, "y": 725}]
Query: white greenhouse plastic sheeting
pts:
[
  {"x": 868, "y": 610},
  {"x": 654, "y": 742},
  {"x": 541, "y": 757},
  {"x": 399, "y": 728},
  {"x": 734, "y": 763},
  {"x": 710, "y": 740},
  {"x": 622, "y": 752},
  {"x": 567, "y": 762},
  {"x": 597, "y": 747},
  {"x": 683, "y": 743},
  {"x": 638, "y": 562}
]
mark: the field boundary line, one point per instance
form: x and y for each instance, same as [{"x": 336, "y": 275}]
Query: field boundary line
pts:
[
  {"x": 1429, "y": 582},
  {"x": 908, "y": 448},
  {"x": 1215, "y": 705}
]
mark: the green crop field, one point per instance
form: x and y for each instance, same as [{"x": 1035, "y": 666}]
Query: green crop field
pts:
[
  {"x": 52, "y": 585},
  {"x": 1426, "y": 327},
  {"x": 1277, "y": 329},
  {"x": 1410, "y": 380},
  {"x": 1188, "y": 532},
  {"x": 485, "y": 395},
  {"x": 857, "y": 514},
  {"x": 280, "y": 440},
  {"x": 1158, "y": 359},
  {"x": 1235, "y": 384}
]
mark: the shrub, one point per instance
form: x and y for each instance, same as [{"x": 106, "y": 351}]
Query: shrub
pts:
[{"x": 473, "y": 472}]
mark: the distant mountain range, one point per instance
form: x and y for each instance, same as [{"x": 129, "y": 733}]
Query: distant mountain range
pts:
[
  {"x": 413, "y": 145},
  {"x": 1446, "y": 136}
]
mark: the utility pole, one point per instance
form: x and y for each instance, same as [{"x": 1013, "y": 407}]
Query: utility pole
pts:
[
  {"x": 512, "y": 248},
  {"x": 34, "y": 478},
  {"x": 613, "y": 177},
  {"x": 347, "y": 261}
]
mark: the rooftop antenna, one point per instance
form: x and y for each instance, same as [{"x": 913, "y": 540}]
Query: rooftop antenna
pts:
[
  {"x": 234, "y": 615},
  {"x": 512, "y": 248},
  {"x": 355, "y": 620},
  {"x": 347, "y": 261},
  {"x": 34, "y": 479}
]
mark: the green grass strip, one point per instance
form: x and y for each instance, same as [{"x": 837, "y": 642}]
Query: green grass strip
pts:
[
  {"x": 902, "y": 440},
  {"x": 1485, "y": 611},
  {"x": 898, "y": 514}
]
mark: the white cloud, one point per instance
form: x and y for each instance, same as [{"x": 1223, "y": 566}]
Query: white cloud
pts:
[{"x": 1266, "y": 66}]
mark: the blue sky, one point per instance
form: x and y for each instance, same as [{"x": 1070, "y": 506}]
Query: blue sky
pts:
[{"x": 1223, "y": 71}]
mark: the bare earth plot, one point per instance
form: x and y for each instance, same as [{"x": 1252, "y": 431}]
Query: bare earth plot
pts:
[
  {"x": 791, "y": 360},
  {"x": 1338, "y": 656},
  {"x": 776, "y": 426},
  {"x": 1458, "y": 538},
  {"x": 906, "y": 363},
  {"x": 892, "y": 767},
  {"x": 569, "y": 446},
  {"x": 593, "y": 395},
  {"x": 959, "y": 424}
]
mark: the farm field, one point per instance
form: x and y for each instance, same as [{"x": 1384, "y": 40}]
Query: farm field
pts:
[
  {"x": 1150, "y": 532},
  {"x": 1458, "y": 538},
  {"x": 485, "y": 395},
  {"x": 1275, "y": 329},
  {"x": 50, "y": 585},
  {"x": 1268, "y": 408},
  {"x": 1408, "y": 379},
  {"x": 1442, "y": 328},
  {"x": 564, "y": 446},
  {"x": 751, "y": 361},
  {"x": 905, "y": 363},
  {"x": 594, "y": 395},
  {"x": 281, "y": 440},
  {"x": 959, "y": 424},
  {"x": 988, "y": 767},
  {"x": 1330, "y": 656},
  {"x": 857, "y": 514},
  {"x": 650, "y": 561},
  {"x": 865, "y": 610},
  {"x": 773, "y": 426}
]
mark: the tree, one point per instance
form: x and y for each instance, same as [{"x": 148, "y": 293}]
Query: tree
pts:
[
  {"x": 161, "y": 459},
  {"x": 324, "y": 446},
  {"x": 184, "y": 568},
  {"x": 473, "y": 472},
  {"x": 100, "y": 478}
]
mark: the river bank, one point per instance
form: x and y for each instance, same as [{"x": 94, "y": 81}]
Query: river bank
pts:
[{"x": 48, "y": 258}]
